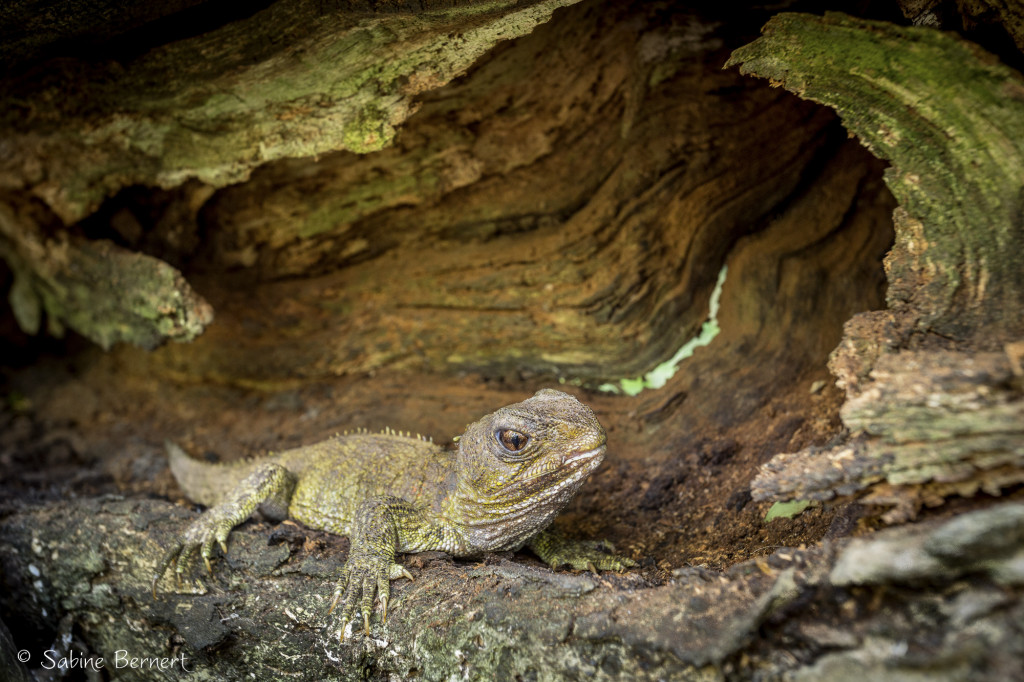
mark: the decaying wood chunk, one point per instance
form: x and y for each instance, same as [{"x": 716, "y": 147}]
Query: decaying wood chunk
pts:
[
  {"x": 102, "y": 291},
  {"x": 950, "y": 119},
  {"x": 928, "y": 424}
]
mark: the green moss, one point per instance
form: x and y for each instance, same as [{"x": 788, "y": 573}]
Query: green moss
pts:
[
  {"x": 660, "y": 375},
  {"x": 367, "y": 131},
  {"x": 112, "y": 296},
  {"x": 216, "y": 106},
  {"x": 787, "y": 510},
  {"x": 950, "y": 119}
]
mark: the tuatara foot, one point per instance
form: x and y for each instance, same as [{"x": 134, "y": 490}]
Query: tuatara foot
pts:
[
  {"x": 212, "y": 526},
  {"x": 268, "y": 486},
  {"x": 556, "y": 550},
  {"x": 364, "y": 575}
]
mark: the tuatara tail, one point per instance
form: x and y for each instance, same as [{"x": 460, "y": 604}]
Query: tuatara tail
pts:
[{"x": 204, "y": 482}]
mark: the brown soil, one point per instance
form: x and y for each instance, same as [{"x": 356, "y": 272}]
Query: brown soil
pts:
[{"x": 83, "y": 425}]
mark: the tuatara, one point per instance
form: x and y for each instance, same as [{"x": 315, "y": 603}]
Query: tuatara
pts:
[{"x": 511, "y": 473}]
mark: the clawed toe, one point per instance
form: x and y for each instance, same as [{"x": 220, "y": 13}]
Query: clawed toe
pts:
[
  {"x": 361, "y": 581},
  {"x": 180, "y": 558}
]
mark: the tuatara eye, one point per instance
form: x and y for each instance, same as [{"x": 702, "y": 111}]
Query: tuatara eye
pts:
[{"x": 513, "y": 441}]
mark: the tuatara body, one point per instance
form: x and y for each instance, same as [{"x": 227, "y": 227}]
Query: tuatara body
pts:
[{"x": 511, "y": 473}]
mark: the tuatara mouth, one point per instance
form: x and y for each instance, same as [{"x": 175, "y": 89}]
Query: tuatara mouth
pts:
[{"x": 584, "y": 455}]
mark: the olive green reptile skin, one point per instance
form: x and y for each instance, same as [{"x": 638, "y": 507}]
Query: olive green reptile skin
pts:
[{"x": 511, "y": 473}]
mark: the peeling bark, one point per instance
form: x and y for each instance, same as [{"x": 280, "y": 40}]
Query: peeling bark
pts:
[
  {"x": 562, "y": 211},
  {"x": 495, "y": 620},
  {"x": 929, "y": 425},
  {"x": 103, "y": 292},
  {"x": 288, "y": 82},
  {"x": 950, "y": 119}
]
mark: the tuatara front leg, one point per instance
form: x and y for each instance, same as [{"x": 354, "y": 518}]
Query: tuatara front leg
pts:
[
  {"x": 556, "y": 550},
  {"x": 268, "y": 487},
  {"x": 382, "y": 526}
]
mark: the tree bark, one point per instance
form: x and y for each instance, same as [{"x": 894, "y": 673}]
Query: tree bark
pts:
[
  {"x": 410, "y": 218},
  {"x": 941, "y": 419},
  {"x": 839, "y": 611}
]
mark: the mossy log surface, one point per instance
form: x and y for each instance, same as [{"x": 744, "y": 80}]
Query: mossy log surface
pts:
[
  {"x": 105, "y": 293},
  {"x": 942, "y": 419},
  {"x": 506, "y": 620},
  {"x": 950, "y": 119},
  {"x": 561, "y": 214},
  {"x": 289, "y": 81}
]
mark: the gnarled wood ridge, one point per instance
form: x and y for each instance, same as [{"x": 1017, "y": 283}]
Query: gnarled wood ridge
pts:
[{"x": 372, "y": 214}]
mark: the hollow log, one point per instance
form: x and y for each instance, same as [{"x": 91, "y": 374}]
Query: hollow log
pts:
[
  {"x": 386, "y": 215},
  {"x": 943, "y": 418}
]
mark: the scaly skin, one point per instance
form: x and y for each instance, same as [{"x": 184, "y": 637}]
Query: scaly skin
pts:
[{"x": 513, "y": 471}]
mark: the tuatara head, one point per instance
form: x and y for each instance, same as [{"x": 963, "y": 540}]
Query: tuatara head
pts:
[{"x": 519, "y": 466}]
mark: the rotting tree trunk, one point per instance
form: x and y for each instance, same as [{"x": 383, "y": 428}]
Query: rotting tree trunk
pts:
[
  {"x": 287, "y": 82},
  {"x": 562, "y": 211},
  {"x": 503, "y": 620},
  {"x": 942, "y": 418},
  {"x": 950, "y": 118}
]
